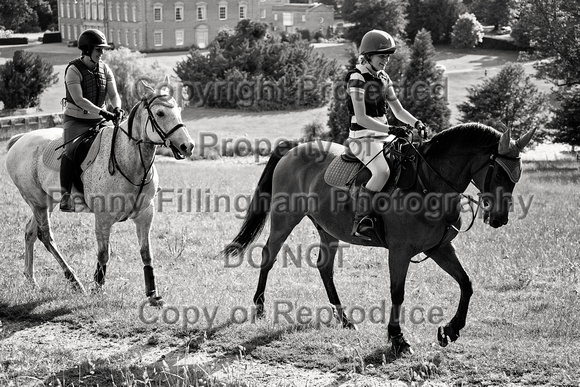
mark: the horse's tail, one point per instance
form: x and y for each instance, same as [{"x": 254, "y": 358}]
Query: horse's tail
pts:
[
  {"x": 259, "y": 206},
  {"x": 13, "y": 140}
]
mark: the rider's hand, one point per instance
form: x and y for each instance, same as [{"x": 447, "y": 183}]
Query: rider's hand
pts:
[
  {"x": 398, "y": 131},
  {"x": 118, "y": 112},
  {"x": 107, "y": 115},
  {"x": 421, "y": 129}
]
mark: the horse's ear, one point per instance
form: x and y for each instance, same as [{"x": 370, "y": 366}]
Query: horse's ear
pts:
[
  {"x": 525, "y": 139},
  {"x": 148, "y": 88},
  {"x": 166, "y": 80},
  {"x": 504, "y": 142}
]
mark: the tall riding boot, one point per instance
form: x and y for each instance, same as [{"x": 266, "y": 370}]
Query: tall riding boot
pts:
[
  {"x": 364, "y": 224},
  {"x": 66, "y": 182}
]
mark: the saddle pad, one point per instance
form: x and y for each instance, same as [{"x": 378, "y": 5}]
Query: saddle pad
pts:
[
  {"x": 54, "y": 150},
  {"x": 340, "y": 172}
]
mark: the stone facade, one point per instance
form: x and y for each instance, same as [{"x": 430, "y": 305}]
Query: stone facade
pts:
[{"x": 170, "y": 25}]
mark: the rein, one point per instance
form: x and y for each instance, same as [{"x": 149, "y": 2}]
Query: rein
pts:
[{"x": 113, "y": 162}]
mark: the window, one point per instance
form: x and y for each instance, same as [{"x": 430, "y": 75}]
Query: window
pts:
[
  {"x": 67, "y": 9},
  {"x": 243, "y": 11},
  {"x": 135, "y": 38},
  {"x": 82, "y": 10},
  {"x": 94, "y": 10},
  {"x": 118, "y": 9},
  {"x": 74, "y": 7},
  {"x": 179, "y": 12},
  {"x": 263, "y": 13},
  {"x": 127, "y": 38},
  {"x": 179, "y": 37},
  {"x": 69, "y": 34},
  {"x": 134, "y": 13},
  {"x": 157, "y": 12},
  {"x": 62, "y": 8},
  {"x": 119, "y": 37},
  {"x": 75, "y": 31},
  {"x": 158, "y": 37},
  {"x": 111, "y": 34},
  {"x": 223, "y": 11},
  {"x": 201, "y": 11},
  {"x": 303, "y": 18},
  {"x": 126, "y": 12},
  {"x": 110, "y": 11},
  {"x": 88, "y": 9},
  {"x": 276, "y": 16},
  {"x": 101, "y": 10}
]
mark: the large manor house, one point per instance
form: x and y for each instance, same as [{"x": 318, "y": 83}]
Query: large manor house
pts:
[{"x": 165, "y": 25}]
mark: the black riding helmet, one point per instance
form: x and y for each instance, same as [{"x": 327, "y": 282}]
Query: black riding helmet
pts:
[{"x": 90, "y": 39}]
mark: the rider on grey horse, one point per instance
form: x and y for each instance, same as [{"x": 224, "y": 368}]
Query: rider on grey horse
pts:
[{"x": 88, "y": 82}]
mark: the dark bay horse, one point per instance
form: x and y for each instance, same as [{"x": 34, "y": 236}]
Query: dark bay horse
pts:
[
  {"x": 120, "y": 184},
  {"x": 447, "y": 164}
]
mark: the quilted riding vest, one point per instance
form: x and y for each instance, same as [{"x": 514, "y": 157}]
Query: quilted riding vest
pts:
[
  {"x": 375, "y": 102},
  {"x": 93, "y": 83}
]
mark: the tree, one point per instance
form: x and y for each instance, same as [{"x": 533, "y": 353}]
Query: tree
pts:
[
  {"x": 552, "y": 30},
  {"x": 13, "y": 13},
  {"x": 129, "y": 67},
  {"x": 424, "y": 90},
  {"x": 385, "y": 15},
  {"x": 509, "y": 98},
  {"x": 494, "y": 12},
  {"x": 567, "y": 117},
  {"x": 436, "y": 16},
  {"x": 467, "y": 32},
  {"x": 248, "y": 70},
  {"x": 23, "y": 79}
]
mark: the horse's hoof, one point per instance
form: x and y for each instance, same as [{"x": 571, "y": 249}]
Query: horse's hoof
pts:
[
  {"x": 400, "y": 346},
  {"x": 446, "y": 334},
  {"x": 348, "y": 325},
  {"x": 156, "y": 301},
  {"x": 259, "y": 312}
]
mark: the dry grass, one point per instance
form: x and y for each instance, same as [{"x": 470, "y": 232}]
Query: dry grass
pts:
[{"x": 522, "y": 325}]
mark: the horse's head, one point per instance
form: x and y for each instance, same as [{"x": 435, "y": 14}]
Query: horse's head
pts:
[
  {"x": 498, "y": 180},
  {"x": 161, "y": 119}
]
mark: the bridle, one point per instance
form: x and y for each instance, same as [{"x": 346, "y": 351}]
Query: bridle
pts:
[{"x": 114, "y": 164}]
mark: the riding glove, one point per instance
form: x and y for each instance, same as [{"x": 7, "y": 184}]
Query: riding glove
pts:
[{"x": 107, "y": 115}]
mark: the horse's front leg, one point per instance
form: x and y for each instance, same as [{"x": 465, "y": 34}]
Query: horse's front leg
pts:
[
  {"x": 398, "y": 267},
  {"x": 143, "y": 223},
  {"x": 446, "y": 258},
  {"x": 103, "y": 225}
]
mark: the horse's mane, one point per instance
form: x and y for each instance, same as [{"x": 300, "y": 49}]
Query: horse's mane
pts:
[{"x": 464, "y": 137}]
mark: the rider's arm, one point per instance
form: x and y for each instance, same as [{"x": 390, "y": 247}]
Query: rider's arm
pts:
[
  {"x": 398, "y": 110},
  {"x": 73, "y": 83},
  {"x": 357, "y": 95},
  {"x": 112, "y": 92}
]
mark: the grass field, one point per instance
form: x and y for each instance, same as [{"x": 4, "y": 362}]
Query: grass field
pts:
[{"x": 522, "y": 325}]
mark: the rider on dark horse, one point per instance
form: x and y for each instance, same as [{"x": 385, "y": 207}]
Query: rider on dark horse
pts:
[
  {"x": 88, "y": 82},
  {"x": 369, "y": 90}
]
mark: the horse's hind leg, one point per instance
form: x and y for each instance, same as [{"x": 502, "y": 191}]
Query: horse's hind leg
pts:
[
  {"x": 325, "y": 264},
  {"x": 143, "y": 223},
  {"x": 446, "y": 258},
  {"x": 44, "y": 233},
  {"x": 30, "y": 236},
  {"x": 281, "y": 225}
]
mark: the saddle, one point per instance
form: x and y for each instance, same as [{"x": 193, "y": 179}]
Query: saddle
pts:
[
  {"x": 86, "y": 151},
  {"x": 347, "y": 171}
]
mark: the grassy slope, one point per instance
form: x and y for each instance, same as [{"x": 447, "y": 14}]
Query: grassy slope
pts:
[{"x": 521, "y": 326}]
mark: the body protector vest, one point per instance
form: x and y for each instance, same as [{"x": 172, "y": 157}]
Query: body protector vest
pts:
[
  {"x": 374, "y": 99},
  {"x": 93, "y": 83}
]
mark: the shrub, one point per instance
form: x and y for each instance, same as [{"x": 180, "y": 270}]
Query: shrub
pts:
[
  {"x": 467, "y": 32},
  {"x": 23, "y": 79},
  {"x": 129, "y": 68},
  {"x": 248, "y": 70}
]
